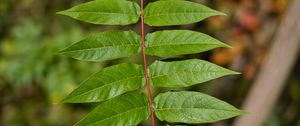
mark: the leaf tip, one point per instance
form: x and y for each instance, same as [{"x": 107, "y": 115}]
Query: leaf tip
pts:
[
  {"x": 61, "y": 12},
  {"x": 236, "y": 73},
  {"x": 244, "y": 112},
  {"x": 220, "y": 13},
  {"x": 62, "y": 52},
  {"x": 64, "y": 100},
  {"x": 231, "y": 72},
  {"x": 226, "y": 45},
  {"x": 67, "y": 99},
  {"x": 241, "y": 112}
]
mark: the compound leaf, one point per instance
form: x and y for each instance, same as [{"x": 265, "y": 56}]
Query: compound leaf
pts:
[
  {"x": 126, "y": 110},
  {"x": 176, "y": 12},
  {"x": 106, "y": 12},
  {"x": 192, "y": 107},
  {"x": 185, "y": 73},
  {"x": 178, "y": 42},
  {"x": 105, "y": 46},
  {"x": 108, "y": 83}
]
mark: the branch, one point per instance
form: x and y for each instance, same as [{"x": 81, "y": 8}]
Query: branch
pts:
[{"x": 275, "y": 70}]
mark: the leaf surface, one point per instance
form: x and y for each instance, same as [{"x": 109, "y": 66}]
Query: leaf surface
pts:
[
  {"x": 105, "y": 46},
  {"x": 192, "y": 107},
  {"x": 127, "y": 110},
  {"x": 108, "y": 83},
  {"x": 106, "y": 12},
  {"x": 185, "y": 73},
  {"x": 176, "y": 12},
  {"x": 178, "y": 42}
]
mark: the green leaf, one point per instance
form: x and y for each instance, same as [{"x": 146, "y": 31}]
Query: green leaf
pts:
[
  {"x": 178, "y": 42},
  {"x": 185, "y": 73},
  {"x": 105, "y": 46},
  {"x": 106, "y": 12},
  {"x": 192, "y": 107},
  {"x": 108, "y": 83},
  {"x": 126, "y": 110},
  {"x": 176, "y": 12}
]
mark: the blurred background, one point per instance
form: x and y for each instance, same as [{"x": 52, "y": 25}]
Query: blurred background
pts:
[{"x": 264, "y": 35}]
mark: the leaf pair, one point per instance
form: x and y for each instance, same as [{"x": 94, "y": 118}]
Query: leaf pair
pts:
[
  {"x": 123, "y": 12},
  {"x": 132, "y": 108},
  {"x": 115, "y": 85},
  {"x": 119, "y": 79},
  {"x": 117, "y": 44}
]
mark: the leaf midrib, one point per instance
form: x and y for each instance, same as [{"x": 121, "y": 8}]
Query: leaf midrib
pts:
[
  {"x": 185, "y": 71},
  {"x": 177, "y": 13},
  {"x": 169, "y": 109},
  {"x": 178, "y": 44},
  {"x": 110, "y": 46},
  {"x": 107, "y": 13}
]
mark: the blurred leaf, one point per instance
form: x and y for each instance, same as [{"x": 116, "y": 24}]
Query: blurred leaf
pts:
[
  {"x": 273, "y": 120},
  {"x": 29, "y": 57}
]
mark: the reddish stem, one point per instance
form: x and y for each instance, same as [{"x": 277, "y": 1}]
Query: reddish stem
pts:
[{"x": 145, "y": 64}]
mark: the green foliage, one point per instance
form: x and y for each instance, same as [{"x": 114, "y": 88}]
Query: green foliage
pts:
[
  {"x": 178, "y": 42},
  {"x": 27, "y": 57},
  {"x": 192, "y": 107},
  {"x": 102, "y": 11},
  {"x": 111, "y": 83},
  {"x": 108, "y": 83},
  {"x": 105, "y": 46},
  {"x": 176, "y": 12},
  {"x": 185, "y": 73},
  {"x": 126, "y": 110}
]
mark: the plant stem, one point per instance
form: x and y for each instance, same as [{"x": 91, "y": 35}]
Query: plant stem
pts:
[{"x": 145, "y": 64}]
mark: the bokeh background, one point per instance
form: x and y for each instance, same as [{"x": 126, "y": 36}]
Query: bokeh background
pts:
[{"x": 34, "y": 77}]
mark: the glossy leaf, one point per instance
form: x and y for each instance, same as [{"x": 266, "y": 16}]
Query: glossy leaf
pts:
[
  {"x": 178, "y": 42},
  {"x": 108, "y": 83},
  {"x": 176, "y": 12},
  {"x": 192, "y": 107},
  {"x": 107, "y": 12},
  {"x": 105, "y": 46},
  {"x": 185, "y": 73},
  {"x": 126, "y": 110}
]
